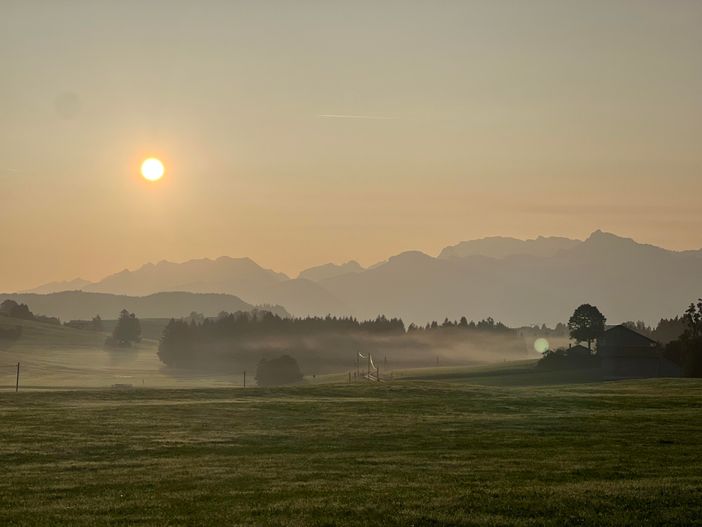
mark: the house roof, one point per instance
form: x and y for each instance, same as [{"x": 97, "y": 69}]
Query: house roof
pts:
[{"x": 623, "y": 336}]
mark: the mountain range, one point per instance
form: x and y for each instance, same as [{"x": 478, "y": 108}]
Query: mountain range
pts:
[{"x": 516, "y": 281}]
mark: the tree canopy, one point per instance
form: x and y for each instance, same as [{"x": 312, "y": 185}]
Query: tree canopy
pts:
[
  {"x": 281, "y": 370},
  {"x": 686, "y": 351},
  {"x": 10, "y": 308},
  {"x": 586, "y": 324},
  {"x": 128, "y": 329}
]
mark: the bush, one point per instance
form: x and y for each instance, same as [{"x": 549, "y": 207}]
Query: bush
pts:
[
  {"x": 575, "y": 357},
  {"x": 10, "y": 308},
  {"x": 274, "y": 372}
]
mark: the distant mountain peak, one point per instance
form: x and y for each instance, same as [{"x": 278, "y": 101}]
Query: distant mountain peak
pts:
[
  {"x": 606, "y": 243},
  {"x": 410, "y": 256},
  {"x": 506, "y": 246},
  {"x": 599, "y": 234},
  {"x": 330, "y": 270}
]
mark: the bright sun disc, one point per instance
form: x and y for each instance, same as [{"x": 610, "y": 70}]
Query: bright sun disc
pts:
[{"x": 152, "y": 169}]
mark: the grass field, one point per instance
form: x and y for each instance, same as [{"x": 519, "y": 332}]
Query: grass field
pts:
[
  {"x": 500, "y": 444},
  {"x": 57, "y": 357},
  {"x": 401, "y": 453}
]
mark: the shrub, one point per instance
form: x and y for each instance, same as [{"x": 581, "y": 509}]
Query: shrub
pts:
[{"x": 274, "y": 372}]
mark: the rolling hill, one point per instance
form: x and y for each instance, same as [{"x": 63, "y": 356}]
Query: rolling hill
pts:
[
  {"x": 69, "y": 305},
  {"x": 237, "y": 276}
]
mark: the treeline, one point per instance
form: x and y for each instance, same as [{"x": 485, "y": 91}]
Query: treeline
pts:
[
  {"x": 320, "y": 342},
  {"x": 86, "y": 325},
  {"x": 487, "y": 324},
  {"x": 259, "y": 322},
  {"x": 667, "y": 329},
  {"x": 10, "y": 308}
]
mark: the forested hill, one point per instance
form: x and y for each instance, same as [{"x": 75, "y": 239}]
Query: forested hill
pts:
[{"x": 70, "y": 305}]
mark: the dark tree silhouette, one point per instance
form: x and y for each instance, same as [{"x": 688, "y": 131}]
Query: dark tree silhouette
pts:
[
  {"x": 686, "y": 351},
  {"x": 128, "y": 329},
  {"x": 10, "y": 308},
  {"x": 693, "y": 318},
  {"x": 669, "y": 329},
  {"x": 282, "y": 370},
  {"x": 586, "y": 324}
]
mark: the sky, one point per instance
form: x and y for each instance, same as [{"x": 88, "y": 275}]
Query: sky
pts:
[{"x": 299, "y": 133}]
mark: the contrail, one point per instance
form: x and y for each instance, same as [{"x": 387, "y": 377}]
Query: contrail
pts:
[
  {"x": 10, "y": 171},
  {"x": 346, "y": 116}
]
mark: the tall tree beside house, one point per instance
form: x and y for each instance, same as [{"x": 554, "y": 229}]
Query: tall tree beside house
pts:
[
  {"x": 128, "y": 329},
  {"x": 586, "y": 324},
  {"x": 693, "y": 318},
  {"x": 686, "y": 351}
]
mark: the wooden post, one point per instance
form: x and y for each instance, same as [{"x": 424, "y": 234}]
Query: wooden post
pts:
[
  {"x": 17, "y": 381},
  {"x": 244, "y": 378},
  {"x": 349, "y": 377}
]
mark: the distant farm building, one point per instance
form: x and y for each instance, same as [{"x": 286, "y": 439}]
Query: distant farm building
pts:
[{"x": 625, "y": 353}]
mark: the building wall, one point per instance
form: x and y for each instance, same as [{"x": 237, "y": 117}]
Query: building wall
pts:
[{"x": 638, "y": 367}]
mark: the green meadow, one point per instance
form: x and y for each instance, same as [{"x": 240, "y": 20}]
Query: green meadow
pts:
[
  {"x": 400, "y": 453},
  {"x": 57, "y": 357}
]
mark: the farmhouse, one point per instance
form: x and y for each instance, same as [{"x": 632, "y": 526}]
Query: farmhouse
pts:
[{"x": 625, "y": 353}]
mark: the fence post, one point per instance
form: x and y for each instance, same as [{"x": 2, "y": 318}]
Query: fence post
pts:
[{"x": 17, "y": 381}]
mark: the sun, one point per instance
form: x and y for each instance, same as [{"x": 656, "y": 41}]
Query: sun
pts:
[{"x": 152, "y": 169}]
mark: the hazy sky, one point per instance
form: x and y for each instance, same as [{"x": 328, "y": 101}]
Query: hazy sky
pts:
[{"x": 298, "y": 133}]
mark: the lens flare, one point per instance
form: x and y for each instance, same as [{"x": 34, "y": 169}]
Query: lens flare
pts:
[{"x": 541, "y": 345}]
